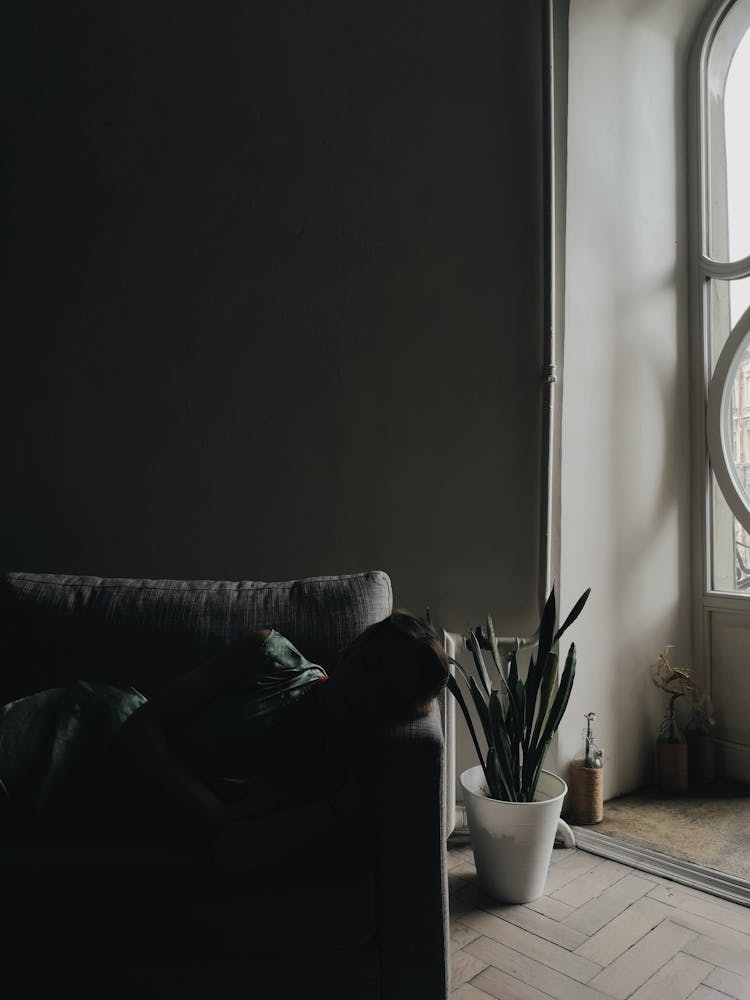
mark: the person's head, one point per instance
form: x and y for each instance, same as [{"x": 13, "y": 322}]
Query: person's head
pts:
[{"x": 394, "y": 670}]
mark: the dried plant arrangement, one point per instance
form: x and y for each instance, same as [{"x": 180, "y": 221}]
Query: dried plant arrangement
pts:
[
  {"x": 681, "y": 758},
  {"x": 679, "y": 682}
]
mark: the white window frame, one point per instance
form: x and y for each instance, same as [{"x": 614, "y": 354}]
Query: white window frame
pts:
[{"x": 709, "y": 432}]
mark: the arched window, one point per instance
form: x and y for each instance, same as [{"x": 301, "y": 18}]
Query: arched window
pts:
[{"x": 721, "y": 287}]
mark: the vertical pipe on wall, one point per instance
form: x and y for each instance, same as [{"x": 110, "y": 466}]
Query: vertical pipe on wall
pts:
[
  {"x": 554, "y": 103},
  {"x": 548, "y": 328}
]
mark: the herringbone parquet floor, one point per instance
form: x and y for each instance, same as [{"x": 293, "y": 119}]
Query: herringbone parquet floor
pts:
[{"x": 601, "y": 930}]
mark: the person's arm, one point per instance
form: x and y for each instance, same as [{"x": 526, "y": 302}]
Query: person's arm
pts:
[
  {"x": 146, "y": 744},
  {"x": 144, "y": 739},
  {"x": 194, "y": 688}
]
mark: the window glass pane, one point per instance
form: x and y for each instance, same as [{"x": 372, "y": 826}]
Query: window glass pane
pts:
[
  {"x": 739, "y": 297},
  {"x": 730, "y": 570},
  {"x": 737, "y": 418},
  {"x": 728, "y": 86},
  {"x": 738, "y": 150},
  {"x": 727, "y": 300}
]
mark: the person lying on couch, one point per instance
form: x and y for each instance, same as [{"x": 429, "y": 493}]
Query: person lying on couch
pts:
[{"x": 254, "y": 749}]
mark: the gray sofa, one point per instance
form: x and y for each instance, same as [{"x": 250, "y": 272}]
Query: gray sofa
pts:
[{"x": 361, "y": 915}]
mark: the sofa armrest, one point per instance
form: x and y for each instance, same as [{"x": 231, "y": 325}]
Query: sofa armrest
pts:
[{"x": 407, "y": 816}]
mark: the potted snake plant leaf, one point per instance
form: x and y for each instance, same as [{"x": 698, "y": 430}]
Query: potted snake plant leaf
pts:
[{"x": 511, "y": 801}]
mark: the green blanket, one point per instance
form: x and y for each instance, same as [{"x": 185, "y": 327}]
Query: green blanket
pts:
[
  {"x": 55, "y": 745},
  {"x": 54, "y": 754}
]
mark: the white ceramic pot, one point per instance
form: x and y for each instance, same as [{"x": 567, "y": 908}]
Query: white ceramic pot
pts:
[{"x": 512, "y": 841}]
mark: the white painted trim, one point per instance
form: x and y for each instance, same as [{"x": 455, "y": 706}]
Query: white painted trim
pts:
[
  {"x": 727, "y": 270},
  {"x": 722, "y": 601},
  {"x": 699, "y": 364}
]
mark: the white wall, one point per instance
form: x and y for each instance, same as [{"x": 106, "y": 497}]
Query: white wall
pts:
[{"x": 625, "y": 477}]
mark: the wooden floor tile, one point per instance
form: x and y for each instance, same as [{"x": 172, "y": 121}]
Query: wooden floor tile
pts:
[
  {"x": 601, "y": 931},
  {"x": 591, "y": 884},
  {"x": 469, "y": 992},
  {"x": 464, "y": 966},
  {"x": 460, "y": 934},
  {"x": 622, "y": 932},
  {"x": 729, "y": 984},
  {"x": 499, "y": 984},
  {"x": 635, "y": 966},
  {"x": 597, "y": 913},
  {"x": 528, "y": 971},
  {"x": 578, "y": 863},
  {"x": 706, "y": 993},
  {"x": 552, "y": 908},
  {"x": 721, "y": 934},
  {"x": 676, "y": 980},
  {"x": 537, "y": 923},
  {"x": 533, "y": 946},
  {"x": 729, "y": 958},
  {"x": 720, "y": 911}
]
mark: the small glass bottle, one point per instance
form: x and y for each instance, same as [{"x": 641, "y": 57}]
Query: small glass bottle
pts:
[
  {"x": 671, "y": 753},
  {"x": 586, "y": 780}
]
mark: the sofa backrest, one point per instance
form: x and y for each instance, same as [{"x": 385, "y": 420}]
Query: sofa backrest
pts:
[{"x": 56, "y": 628}]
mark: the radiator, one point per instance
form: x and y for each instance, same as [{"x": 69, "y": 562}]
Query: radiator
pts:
[{"x": 454, "y": 644}]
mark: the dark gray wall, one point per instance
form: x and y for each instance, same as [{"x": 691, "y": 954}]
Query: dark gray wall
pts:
[{"x": 269, "y": 272}]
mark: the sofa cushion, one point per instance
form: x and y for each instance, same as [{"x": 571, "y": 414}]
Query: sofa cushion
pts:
[{"x": 55, "y": 629}]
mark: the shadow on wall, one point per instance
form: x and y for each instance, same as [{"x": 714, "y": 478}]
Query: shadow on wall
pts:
[
  {"x": 626, "y": 453},
  {"x": 262, "y": 273}
]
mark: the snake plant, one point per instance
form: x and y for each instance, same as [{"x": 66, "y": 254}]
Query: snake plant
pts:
[{"x": 518, "y": 717}]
